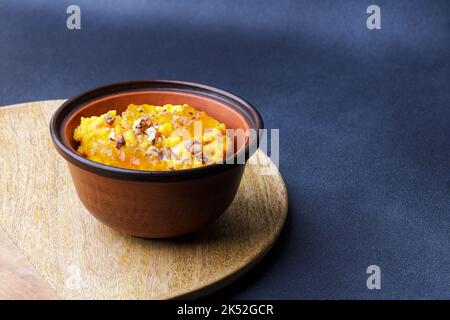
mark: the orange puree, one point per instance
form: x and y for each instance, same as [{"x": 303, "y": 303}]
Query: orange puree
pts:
[{"x": 156, "y": 138}]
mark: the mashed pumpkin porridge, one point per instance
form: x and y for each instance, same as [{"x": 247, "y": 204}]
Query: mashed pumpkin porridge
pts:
[{"x": 156, "y": 138}]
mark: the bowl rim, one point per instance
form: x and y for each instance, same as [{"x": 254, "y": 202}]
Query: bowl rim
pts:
[{"x": 61, "y": 115}]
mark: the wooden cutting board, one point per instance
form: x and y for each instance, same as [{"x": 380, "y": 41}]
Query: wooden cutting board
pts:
[{"x": 56, "y": 247}]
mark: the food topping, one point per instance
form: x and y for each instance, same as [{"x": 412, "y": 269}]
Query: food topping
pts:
[
  {"x": 109, "y": 118},
  {"x": 156, "y": 138},
  {"x": 120, "y": 142}
]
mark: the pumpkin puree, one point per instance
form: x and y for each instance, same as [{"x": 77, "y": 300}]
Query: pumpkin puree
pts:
[{"x": 155, "y": 138}]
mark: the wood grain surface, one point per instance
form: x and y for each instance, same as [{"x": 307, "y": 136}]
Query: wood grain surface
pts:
[
  {"x": 80, "y": 258},
  {"x": 18, "y": 279}
]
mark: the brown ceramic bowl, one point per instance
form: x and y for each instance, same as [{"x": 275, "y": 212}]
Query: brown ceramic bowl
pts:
[{"x": 153, "y": 204}]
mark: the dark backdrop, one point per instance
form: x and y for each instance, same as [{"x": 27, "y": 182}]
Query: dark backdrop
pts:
[{"x": 364, "y": 118}]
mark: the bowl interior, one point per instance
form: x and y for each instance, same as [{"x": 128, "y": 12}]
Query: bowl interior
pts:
[{"x": 219, "y": 110}]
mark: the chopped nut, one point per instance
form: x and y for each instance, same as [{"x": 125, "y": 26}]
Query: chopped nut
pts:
[
  {"x": 137, "y": 127},
  {"x": 112, "y": 135},
  {"x": 193, "y": 146},
  {"x": 196, "y": 147},
  {"x": 153, "y": 152},
  {"x": 136, "y": 123},
  {"x": 148, "y": 120},
  {"x": 176, "y": 149},
  {"x": 141, "y": 124},
  {"x": 109, "y": 118},
  {"x": 151, "y": 134},
  {"x": 188, "y": 145},
  {"x": 120, "y": 141},
  {"x": 201, "y": 158},
  {"x": 167, "y": 154}
]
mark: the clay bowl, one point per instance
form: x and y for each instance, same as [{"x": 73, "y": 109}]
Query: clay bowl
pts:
[{"x": 154, "y": 204}]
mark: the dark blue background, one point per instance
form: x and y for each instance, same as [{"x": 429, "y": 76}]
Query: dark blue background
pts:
[{"x": 364, "y": 118}]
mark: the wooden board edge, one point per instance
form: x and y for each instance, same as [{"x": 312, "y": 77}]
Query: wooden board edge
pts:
[
  {"x": 18, "y": 278},
  {"x": 234, "y": 275},
  {"x": 209, "y": 288}
]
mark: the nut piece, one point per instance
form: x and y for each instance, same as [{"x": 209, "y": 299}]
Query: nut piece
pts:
[
  {"x": 153, "y": 152},
  {"x": 120, "y": 141},
  {"x": 167, "y": 154},
  {"x": 112, "y": 135},
  {"x": 148, "y": 120},
  {"x": 151, "y": 134},
  {"x": 137, "y": 126},
  {"x": 109, "y": 119},
  {"x": 141, "y": 124},
  {"x": 201, "y": 158},
  {"x": 193, "y": 146}
]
